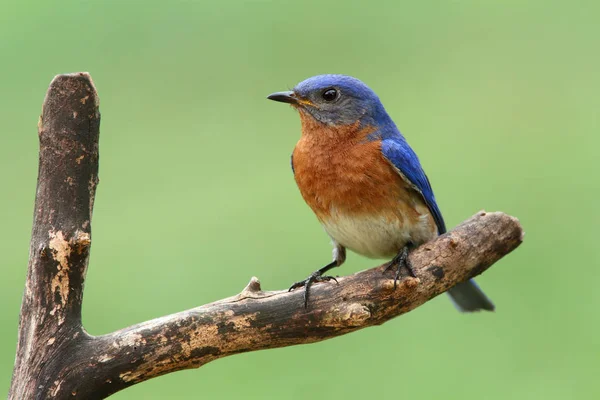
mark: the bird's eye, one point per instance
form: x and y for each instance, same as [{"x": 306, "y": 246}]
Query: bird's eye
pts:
[{"x": 329, "y": 95}]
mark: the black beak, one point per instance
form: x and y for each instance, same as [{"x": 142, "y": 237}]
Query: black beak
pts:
[{"x": 283, "y": 97}]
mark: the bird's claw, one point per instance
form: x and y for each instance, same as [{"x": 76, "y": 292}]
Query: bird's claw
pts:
[
  {"x": 401, "y": 260},
  {"x": 307, "y": 283}
]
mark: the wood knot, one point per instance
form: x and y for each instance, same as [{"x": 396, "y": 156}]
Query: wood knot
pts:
[
  {"x": 411, "y": 282},
  {"x": 252, "y": 288},
  {"x": 406, "y": 283},
  {"x": 82, "y": 241},
  {"x": 350, "y": 314}
]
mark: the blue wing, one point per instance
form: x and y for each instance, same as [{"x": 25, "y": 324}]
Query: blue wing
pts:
[
  {"x": 400, "y": 154},
  {"x": 467, "y": 296}
]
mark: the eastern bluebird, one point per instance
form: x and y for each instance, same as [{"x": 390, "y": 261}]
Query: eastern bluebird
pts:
[{"x": 363, "y": 181}]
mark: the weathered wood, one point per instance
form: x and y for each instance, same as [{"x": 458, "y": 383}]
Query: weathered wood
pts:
[
  {"x": 56, "y": 358},
  {"x": 50, "y": 322}
]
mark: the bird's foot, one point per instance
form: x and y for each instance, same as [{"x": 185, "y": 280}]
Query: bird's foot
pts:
[
  {"x": 401, "y": 260},
  {"x": 316, "y": 276}
]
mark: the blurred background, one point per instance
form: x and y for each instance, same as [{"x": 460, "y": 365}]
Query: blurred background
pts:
[{"x": 196, "y": 195}]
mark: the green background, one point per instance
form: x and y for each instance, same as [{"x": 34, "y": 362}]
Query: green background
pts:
[{"x": 500, "y": 101}]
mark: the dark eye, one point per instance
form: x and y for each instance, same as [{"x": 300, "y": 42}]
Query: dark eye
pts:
[{"x": 329, "y": 95}]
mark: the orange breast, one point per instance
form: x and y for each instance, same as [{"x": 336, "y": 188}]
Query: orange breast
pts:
[
  {"x": 339, "y": 169},
  {"x": 359, "y": 197}
]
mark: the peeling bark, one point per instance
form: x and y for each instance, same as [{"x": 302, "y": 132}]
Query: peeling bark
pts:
[
  {"x": 56, "y": 358},
  {"x": 50, "y": 322}
]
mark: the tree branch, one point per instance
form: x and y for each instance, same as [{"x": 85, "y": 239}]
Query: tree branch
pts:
[
  {"x": 50, "y": 321},
  {"x": 57, "y": 359}
]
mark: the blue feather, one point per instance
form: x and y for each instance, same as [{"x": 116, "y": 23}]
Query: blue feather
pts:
[
  {"x": 402, "y": 156},
  {"x": 292, "y": 163},
  {"x": 360, "y": 103},
  {"x": 466, "y": 296}
]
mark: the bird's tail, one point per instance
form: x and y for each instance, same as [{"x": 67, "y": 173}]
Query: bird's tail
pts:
[{"x": 468, "y": 297}]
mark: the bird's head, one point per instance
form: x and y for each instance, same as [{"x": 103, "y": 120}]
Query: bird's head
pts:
[{"x": 334, "y": 100}]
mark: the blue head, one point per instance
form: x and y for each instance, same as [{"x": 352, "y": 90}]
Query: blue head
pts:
[{"x": 336, "y": 100}]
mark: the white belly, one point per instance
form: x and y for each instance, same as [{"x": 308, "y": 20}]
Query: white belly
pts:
[{"x": 378, "y": 237}]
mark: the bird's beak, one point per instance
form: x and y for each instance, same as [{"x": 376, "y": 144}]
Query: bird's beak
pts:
[
  {"x": 291, "y": 98},
  {"x": 284, "y": 97}
]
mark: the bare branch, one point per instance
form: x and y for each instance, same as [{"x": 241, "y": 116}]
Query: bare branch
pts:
[
  {"x": 50, "y": 322},
  {"x": 255, "y": 320},
  {"x": 57, "y": 359}
]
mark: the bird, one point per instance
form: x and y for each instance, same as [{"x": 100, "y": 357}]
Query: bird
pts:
[{"x": 363, "y": 181}]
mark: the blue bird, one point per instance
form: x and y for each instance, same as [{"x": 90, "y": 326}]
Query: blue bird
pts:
[{"x": 363, "y": 181}]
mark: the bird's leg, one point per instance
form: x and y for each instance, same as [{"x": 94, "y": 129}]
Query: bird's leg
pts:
[
  {"x": 399, "y": 261},
  {"x": 339, "y": 256},
  {"x": 316, "y": 276}
]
